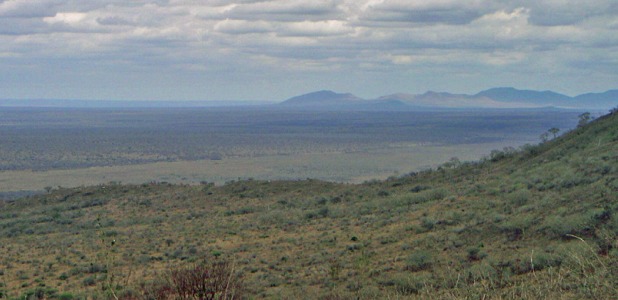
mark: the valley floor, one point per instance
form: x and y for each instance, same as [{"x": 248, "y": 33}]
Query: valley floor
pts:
[{"x": 351, "y": 167}]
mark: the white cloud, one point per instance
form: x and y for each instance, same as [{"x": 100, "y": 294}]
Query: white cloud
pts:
[
  {"x": 388, "y": 36},
  {"x": 70, "y": 18},
  {"x": 243, "y": 27},
  {"x": 318, "y": 28}
]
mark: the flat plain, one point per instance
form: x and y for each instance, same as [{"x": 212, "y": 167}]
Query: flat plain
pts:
[{"x": 52, "y": 147}]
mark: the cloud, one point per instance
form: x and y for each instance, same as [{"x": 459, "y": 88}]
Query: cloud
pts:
[
  {"x": 281, "y": 36},
  {"x": 285, "y": 10},
  {"x": 318, "y": 28},
  {"x": 569, "y": 12},
  {"x": 69, "y": 18},
  {"x": 243, "y": 27},
  {"x": 425, "y": 12},
  {"x": 26, "y": 8}
]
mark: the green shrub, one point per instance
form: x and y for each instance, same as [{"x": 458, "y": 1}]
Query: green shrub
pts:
[
  {"x": 66, "y": 296},
  {"x": 575, "y": 224},
  {"x": 408, "y": 285},
  {"x": 516, "y": 226},
  {"x": 475, "y": 253},
  {"x": 428, "y": 223},
  {"x": 89, "y": 281},
  {"x": 419, "y": 188},
  {"x": 418, "y": 261},
  {"x": 483, "y": 271},
  {"x": 519, "y": 198}
]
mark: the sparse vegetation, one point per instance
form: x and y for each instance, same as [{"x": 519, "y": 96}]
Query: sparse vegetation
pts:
[{"x": 533, "y": 223}]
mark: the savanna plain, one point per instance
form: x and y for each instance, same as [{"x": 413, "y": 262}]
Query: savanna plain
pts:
[{"x": 257, "y": 203}]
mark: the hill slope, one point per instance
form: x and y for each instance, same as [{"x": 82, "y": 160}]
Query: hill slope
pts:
[{"x": 540, "y": 222}]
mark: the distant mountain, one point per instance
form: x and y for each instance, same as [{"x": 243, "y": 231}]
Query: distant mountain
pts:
[
  {"x": 502, "y": 98},
  {"x": 509, "y": 94},
  {"x": 323, "y": 98},
  {"x": 494, "y": 98},
  {"x": 448, "y": 100},
  {"x": 328, "y": 100},
  {"x": 606, "y": 99}
]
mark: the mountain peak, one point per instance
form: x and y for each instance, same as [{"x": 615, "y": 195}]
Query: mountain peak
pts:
[
  {"x": 323, "y": 97},
  {"x": 510, "y": 94}
]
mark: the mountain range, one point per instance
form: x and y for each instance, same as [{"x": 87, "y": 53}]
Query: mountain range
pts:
[
  {"x": 494, "y": 98},
  {"x": 502, "y": 97}
]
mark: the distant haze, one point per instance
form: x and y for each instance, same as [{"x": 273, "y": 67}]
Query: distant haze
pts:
[
  {"x": 273, "y": 50},
  {"x": 495, "y": 98}
]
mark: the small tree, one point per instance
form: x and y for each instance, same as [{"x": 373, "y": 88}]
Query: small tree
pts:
[
  {"x": 454, "y": 162},
  {"x": 215, "y": 280},
  {"x": 584, "y": 119},
  {"x": 554, "y": 131},
  {"x": 544, "y": 137}
]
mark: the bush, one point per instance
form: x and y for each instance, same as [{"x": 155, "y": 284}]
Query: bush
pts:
[
  {"x": 577, "y": 224},
  {"x": 419, "y": 261},
  {"x": 420, "y": 188},
  {"x": 516, "y": 226},
  {"x": 66, "y": 296},
  {"x": 216, "y": 280},
  {"x": 475, "y": 253},
  {"x": 89, "y": 281},
  {"x": 408, "y": 285},
  {"x": 484, "y": 271},
  {"x": 427, "y": 224},
  {"x": 519, "y": 198}
]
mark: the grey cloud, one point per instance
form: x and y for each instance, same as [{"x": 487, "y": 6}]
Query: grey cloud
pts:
[
  {"x": 447, "y": 12},
  {"x": 456, "y": 17},
  {"x": 567, "y": 12},
  {"x": 27, "y": 9},
  {"x": 114, "y": 20},
  {"x": 391, "y": 35},
  {"x": 89, "y": 5},
  {"x": 243, "y": 27},
  {"x": 22, "y": 26},
  {"x": 286, "y": 11}
]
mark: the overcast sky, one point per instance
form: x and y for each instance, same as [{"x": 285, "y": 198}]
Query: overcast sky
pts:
[{"x": 273, "y": 50}]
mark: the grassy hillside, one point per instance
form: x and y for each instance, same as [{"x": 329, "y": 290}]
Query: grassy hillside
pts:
[{"x": 539, "y": 222}]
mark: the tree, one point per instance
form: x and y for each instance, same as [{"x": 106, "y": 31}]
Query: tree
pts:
[
  {"x": 544, "y": 137},
  {"x": 584, "y": 119},
  {"x": 454, "y": 162},
  {"x": 554, "y": 131}
]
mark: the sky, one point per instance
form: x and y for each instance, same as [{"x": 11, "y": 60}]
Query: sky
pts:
[{"x": 273, "y": 50}]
